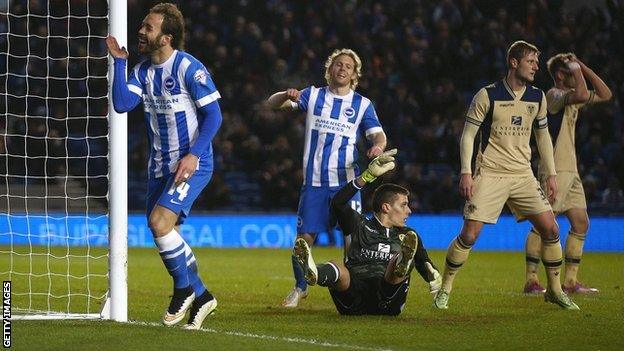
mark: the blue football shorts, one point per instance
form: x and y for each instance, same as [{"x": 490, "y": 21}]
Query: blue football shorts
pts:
[
  {"x": 178, "y": 199},
  {"x": 314, "y": 213}
]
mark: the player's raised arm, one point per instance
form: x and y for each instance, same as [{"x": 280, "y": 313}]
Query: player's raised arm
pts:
[
  {"x": 602, "y": 91},
  {"x": 340, "y": 203},
  {"x": 580, "y": 94},
  {"x": 284, "y": 100},
  {"x": 125, "y": 96}
]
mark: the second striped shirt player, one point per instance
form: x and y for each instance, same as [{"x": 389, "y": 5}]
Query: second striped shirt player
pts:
[{"x": 336, "y": 117}]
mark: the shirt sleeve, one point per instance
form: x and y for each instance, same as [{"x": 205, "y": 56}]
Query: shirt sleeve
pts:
[
  {"x": 211, "y": 121},
  {"x": 124, "y": 97},
  {"x": 134, "y": 85},
  {"x": 200, "y": 85},
  {"x": 478, "y": 108},
  {"x": 592, "y": 96},
  {"x": 557, "y": 99},
  {"x": 541, "y": 121},
  {"x": 370, "y": 123},
  {"x": 304, "y": 99},
  {"x": 348, "y": 219}
]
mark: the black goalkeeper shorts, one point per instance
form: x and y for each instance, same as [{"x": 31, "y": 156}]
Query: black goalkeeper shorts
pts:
[{"x": 365, "y": 296}]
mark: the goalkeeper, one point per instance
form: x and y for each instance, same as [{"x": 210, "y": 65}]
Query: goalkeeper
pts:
[{"x": 375, "y": 276}]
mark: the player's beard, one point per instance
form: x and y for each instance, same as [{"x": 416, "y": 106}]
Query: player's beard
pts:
[{"x": 152, "y": 45}]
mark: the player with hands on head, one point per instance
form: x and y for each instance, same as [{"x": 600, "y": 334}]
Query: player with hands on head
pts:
[
  {"x": 375, "y": 277},
  {"x": 565, "y": 99},
  {"x": 182, "y": 116},
  {"x": 336, "y": 117}
]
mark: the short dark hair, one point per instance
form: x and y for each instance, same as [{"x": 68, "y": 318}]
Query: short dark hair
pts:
[
  {"x": 386, "y": 193},
  {"x": 173, "y": 23},
  {"x": 557, "y": 62},
  {"x": 520, "y": 49}
]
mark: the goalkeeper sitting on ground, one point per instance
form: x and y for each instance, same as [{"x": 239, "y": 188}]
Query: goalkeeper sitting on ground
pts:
[{"x": 375, "y": 276}]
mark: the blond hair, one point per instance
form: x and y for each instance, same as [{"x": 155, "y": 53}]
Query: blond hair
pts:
[
  {"x": 520, "y": 49},
  {"x": 356, "y": 59},
  {"x": 558, "y": 62}
]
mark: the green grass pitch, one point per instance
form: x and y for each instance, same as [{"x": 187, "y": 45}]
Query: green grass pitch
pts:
[{"x": 486, "y": 310}]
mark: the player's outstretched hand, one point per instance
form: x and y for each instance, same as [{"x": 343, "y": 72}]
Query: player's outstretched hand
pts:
[
  {"x": 293, "y": 94},
  {"x": 374, "y": 152},
  {"x": 114, "y": 49},
  {"x": 380, "y": 165},
  {"x": 465, "y": 186}
]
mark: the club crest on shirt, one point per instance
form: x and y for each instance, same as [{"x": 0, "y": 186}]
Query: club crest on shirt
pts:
[
  {"x": 401, "y": 236},
  {"x": 169, "y": 83},
  {"x": 201, "y": 76},
  {"x": 516, "y": 120},
  {"x": 349, "y": 112},
  {"x": 530, "y": 109}
]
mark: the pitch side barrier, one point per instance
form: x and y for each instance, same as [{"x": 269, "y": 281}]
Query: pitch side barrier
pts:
[{"x": 279, "y": 230}]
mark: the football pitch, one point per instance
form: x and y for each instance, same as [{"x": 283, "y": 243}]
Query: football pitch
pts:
[{"x": 486, "y": 311}]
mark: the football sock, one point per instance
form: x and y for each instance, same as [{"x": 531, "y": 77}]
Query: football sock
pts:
[
  {"x": 298, "y": 272},
  {"x": 172, "y": 253},
  {"x": 533, "y": 252},
  {"x": 203, "y": 298},
  {"x": 573, "y": 253},
  {"x": 328, "y": 274},
  {"x": 193, "y": 275},
  {"x": 552, "y": 259},
  {"x": 456, "y": 255}
]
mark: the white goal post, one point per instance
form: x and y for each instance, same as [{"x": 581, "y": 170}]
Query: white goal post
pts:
[{"x": 63, "y": 160}]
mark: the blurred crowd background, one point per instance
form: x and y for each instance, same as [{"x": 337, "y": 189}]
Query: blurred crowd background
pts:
[{"x": 422, "y": 63}]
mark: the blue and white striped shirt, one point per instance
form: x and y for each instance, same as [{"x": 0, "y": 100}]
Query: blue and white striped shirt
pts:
[
  {"x": 333, "y": 125},
  {"x": 172, "y": 92}
]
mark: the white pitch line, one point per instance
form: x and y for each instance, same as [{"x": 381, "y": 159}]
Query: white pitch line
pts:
[{"x": 271, "y": 337}]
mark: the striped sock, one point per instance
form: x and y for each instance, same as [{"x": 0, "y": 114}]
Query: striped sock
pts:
[
  {"x": 552, "y": 259},
  {"x": 573, "y": 253},
  {"x": 171, "y": 248},
  {"x": 456, "y": 255},
  {"x": 193, "y": 275},
  {"x": 328, "y": 274},
  {"x": 533, "y": 252}
]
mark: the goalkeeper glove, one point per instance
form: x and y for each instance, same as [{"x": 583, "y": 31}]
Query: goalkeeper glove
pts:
[
  {"x": 379, "y": 165},
  {"x": 436, "y": 283}
]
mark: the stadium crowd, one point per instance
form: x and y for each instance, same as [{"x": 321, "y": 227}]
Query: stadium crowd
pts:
[{"x": 422, "y": 62}]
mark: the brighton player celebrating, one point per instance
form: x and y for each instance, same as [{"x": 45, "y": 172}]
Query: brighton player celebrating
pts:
[
  {"x": 565, "y": 99},
  {"x": 182, "y": 116},
  {"x": 336, "y": 116}
]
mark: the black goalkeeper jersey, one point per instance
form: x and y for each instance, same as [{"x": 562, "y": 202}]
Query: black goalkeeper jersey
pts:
[{"x": 372, "y": 244}]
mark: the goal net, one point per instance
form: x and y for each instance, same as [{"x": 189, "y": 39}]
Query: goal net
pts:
[{"x": 54, "y": 157}]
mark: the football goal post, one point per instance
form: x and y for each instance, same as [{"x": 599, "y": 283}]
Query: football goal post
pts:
[{"x": 63, "y": 160}]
